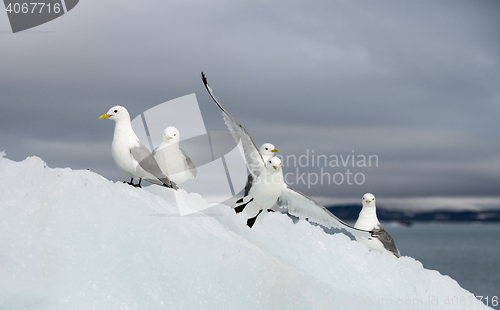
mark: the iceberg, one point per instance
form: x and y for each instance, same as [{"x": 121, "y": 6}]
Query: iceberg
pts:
[{"x": 71, "y": 239}]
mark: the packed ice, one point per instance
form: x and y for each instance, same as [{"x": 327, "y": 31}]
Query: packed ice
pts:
[{"x": 71, "y": 239}]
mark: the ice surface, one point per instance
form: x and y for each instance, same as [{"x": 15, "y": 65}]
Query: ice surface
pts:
[{"x": 73, "y": 240}]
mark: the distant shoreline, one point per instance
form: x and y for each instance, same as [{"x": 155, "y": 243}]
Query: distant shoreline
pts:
[{"x": 351, "y": 212}]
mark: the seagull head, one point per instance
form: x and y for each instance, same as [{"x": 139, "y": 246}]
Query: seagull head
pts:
[
  {"x": 171, "y": 135},
  {"x": 117, "y": 113},
  {"x": 274, "y": 164},
  {"x": 268, "y": 150},
  {"x": 368, "y": 200}
]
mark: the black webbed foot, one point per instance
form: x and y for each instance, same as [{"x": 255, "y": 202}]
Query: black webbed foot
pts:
[
  {"x": 240, "y": 208},
  {"x": 252, "y": 220}
]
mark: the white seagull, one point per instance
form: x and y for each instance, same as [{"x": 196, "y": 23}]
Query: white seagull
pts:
[
  {"x": 264, "y": 192},
  {"x": 380, "y": 239},
  {"x": 172, "y": 160},
  {"x": 130, "y": 155},
  {"x": 269, "y": 187},
  {"x": 267, "y": 151}
]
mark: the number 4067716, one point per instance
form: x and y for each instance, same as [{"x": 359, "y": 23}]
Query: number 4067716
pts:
[{"x": 33, "y": 8}]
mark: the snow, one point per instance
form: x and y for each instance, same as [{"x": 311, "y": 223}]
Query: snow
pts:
[{"x": 71, "y": 239}]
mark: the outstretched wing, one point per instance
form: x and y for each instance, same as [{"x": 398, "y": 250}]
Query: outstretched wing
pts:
[
  {"x": 253, "y": 158},
  {"x": 381, "y": 234},
  {"x": 147, "y": 162},
  {"x": 304, "y": 207}
]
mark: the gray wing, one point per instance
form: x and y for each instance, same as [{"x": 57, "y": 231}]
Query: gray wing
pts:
[
  {"x": 304, "y": 207},
  {"x": 254, "y": 160},
  {"x": 383, "y": 235},
  {"x": 190, "y": 165},
  {"x": 147, "y": 162}
]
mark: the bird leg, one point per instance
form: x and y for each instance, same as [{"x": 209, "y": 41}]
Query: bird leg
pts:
[
  {"x": 138, "y": 184},
  {"x": 132, "y": 183}
]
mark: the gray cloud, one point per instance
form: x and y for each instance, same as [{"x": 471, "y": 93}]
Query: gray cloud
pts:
[{"x": 415, "y": 83}]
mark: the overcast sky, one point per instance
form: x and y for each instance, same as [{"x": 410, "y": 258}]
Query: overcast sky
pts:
[{"x": 416, "y": 83}]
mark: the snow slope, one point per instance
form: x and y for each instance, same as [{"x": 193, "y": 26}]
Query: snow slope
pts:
[{"x": 74, "y": 240}]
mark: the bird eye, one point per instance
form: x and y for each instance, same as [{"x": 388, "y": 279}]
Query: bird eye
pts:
[
  {"x": 269, "y": 161},
  {"x": 267, "y": 149},
  {"x": 116, "y": 111}
]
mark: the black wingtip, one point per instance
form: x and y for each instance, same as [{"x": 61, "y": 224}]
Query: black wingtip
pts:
[
  {"x": 204, "y": 78},
  {"x": 172, "y": 185}
]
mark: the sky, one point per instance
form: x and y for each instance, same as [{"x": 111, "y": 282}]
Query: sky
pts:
[{"x": 413, "y": 84}]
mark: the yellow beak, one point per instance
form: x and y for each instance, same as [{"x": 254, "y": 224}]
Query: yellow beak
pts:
[
  {"x": 104, "y": 116},
  {"x": 368, "y": 201},
  {"x": 275, "y": 150},
  {"x": 275, "y": 167},
  {"x": 168, "y": 138}
]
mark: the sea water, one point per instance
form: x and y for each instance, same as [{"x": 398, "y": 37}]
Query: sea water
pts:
[{"x": 467, "y": 252}]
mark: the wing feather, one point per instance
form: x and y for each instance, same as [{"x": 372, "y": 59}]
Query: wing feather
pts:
[
  {"x": 304, "y": 207},
  {"x": 383, "y": 235},
  {"x": 147, "y": 162},
  {"x": 253, "y": 158},
  {"x": 190, "y": 165}
]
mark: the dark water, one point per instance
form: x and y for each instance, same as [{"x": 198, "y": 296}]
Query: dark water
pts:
[{"x": 469, "y": 253}]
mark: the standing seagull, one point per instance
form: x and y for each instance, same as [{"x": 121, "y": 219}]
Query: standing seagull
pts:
[
  {"x": 172, "y": 160},
  {"x": 269, "y": 187},
  {"x": 380, "y": 239},
  {"x": 130, "y": 155}
]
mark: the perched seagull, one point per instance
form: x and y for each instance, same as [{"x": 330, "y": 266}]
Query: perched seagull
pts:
[
  {"x": 269, "y": 187},
  {"x": 267, "y": 151},
  {"x": 172, "y": 160},
  {"x": 130, "y": 155},
  {"x": 380, "y": 239}
]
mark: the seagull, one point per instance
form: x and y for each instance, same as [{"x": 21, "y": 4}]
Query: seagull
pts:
[
  {"x": 130, "y": 155},
  {"x": 172, "y": 160},
  {"x": 264, "y": 191},
  {"x": 267, "y": 151},
  {"x": 269, "y": 187},
  {"x": 380, "y": 239}
]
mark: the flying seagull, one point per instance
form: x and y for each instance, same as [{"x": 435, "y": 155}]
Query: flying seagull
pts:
[
  {"x": 267, "y": 151},
  {"x": 130, "y": 155},
  {"x": 269, "y": 187}
]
